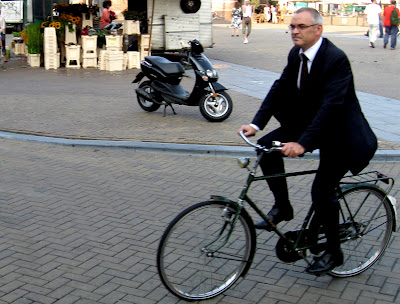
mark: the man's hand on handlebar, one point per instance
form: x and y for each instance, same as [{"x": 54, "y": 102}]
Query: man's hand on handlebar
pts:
[
  {"x": 248, "y": 130},
  {"x": 292, "y": 149}
]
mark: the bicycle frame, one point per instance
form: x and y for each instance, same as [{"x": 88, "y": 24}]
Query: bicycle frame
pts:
[
  {"x": 355, "y": 180},
  {"x": 243, "y": 197}
]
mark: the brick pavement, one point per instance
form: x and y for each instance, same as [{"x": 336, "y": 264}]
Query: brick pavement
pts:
[{"x": 81, "y": 225}]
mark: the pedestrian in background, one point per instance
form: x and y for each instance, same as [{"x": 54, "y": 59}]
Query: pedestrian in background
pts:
[
  {"x": 236, "y": 19},
  {"x": 274, "y": 14},
  {"x": 390, "y": 29},
  {"x": 246, "y": 26},
  {"x": 267, "y": 13},
  {"x": 3, "y": 35},
  {"x": 373, "y": 13}
]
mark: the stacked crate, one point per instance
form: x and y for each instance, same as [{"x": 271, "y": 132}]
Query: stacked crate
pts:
[
  {"x": 89, "y": 51},
  {"x": 102, "y": 60},
  {"x": 70, "y": 37},
  {"x": 73, "y": 54},
  {"x": 131, "y": 27},
  {"x": 114, "y": 60},
  {"x": 87, "y": 20},
  {"x": 19, "y": 46},
  {"x": 114, "y": 56},
  {"x": 51, "y": 56},
  {"x": 144, "y": 42},
  {"x": 114, "y": 43},
  {"x": 133, "y": 60}
]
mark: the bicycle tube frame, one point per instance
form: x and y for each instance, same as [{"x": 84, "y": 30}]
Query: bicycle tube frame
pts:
[{"x": 243, "y": 196}]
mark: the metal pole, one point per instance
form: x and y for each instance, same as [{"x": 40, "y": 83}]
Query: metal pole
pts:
[{"x": 151, "y": 25}]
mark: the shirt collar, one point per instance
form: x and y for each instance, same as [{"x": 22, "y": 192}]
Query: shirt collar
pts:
[{"x": 312, "y": 51}]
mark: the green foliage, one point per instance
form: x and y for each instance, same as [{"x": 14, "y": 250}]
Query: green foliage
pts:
[
  {"x": 16, "y": 34},
  {"x": 101, "y": 37},
  {"x": 134, "y": 15},
  {"x": 34, "y": 39}
]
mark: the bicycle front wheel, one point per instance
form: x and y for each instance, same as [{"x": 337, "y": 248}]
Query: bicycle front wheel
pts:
[
  {"x": 365, "y": 233},
  {"x": 197, "y": 259}
]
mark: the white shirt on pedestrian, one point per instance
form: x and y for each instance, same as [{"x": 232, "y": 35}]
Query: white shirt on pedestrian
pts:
[{"x": 373, "y": 11}]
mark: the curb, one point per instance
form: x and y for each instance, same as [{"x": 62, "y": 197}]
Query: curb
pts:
[{"x": 171, "y": 148}]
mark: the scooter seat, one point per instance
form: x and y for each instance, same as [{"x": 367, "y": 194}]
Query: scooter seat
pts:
[{"x": 168, "y": 67}]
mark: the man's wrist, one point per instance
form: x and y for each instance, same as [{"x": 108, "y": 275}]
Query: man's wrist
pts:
[{"x": 254, "y": 126}]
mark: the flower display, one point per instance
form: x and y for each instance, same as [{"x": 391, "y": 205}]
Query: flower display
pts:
[{"x": 76, "y": 9}]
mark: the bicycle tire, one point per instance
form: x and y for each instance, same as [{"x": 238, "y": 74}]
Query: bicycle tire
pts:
[
  {"x": 363, "y": 243},
  {"x": 183, "y": 265}
]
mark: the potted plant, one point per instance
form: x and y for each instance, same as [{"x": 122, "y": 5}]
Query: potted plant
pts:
[
  {"x": 33, "y": 43},
  {"x": 132, "y": 21}
]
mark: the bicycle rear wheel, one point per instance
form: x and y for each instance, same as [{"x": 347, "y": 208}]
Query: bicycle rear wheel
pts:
[
  {"x": 365, "y": 236},
  {"x": 192, "y": 260}
]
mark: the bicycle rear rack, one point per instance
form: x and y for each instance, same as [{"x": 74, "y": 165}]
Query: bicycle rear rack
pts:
[{"x": 371, "y": 177}]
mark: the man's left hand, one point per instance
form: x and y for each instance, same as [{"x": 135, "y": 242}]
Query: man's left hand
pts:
[{"x": 292, "y": 149}]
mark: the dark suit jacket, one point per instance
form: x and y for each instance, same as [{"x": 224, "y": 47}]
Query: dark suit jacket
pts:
[{"x": 326, "y": 114}]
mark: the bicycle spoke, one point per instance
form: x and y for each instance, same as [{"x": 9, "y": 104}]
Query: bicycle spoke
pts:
[
  {"x": 201, "y": 255},
  {"x": 365, "y": 239}
]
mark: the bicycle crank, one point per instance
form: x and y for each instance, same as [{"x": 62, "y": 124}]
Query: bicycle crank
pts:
[{"x": 285, "y": 252}]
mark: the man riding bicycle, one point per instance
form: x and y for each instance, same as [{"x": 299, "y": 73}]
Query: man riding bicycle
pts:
[{"x": 315, "y": 102}]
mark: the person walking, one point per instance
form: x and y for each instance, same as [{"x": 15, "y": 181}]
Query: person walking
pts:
[
  {"x": 246, "y": 26},
  {"x": 267, "y": 13},
  {"x": 390, "y": 29},
  {"x": 316, "y": 104},
  {"x": 3, "y": 36},
  {"x": 236, "y": 19},
  {"x": 274, "y": 14},
  {"x": 373, "y": 13}
]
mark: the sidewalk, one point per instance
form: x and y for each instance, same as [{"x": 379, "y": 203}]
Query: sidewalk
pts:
[{"x": 45, "y": 103}]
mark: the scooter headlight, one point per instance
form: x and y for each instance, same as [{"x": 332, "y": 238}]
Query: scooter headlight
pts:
[{"x": 211, "y": 73}]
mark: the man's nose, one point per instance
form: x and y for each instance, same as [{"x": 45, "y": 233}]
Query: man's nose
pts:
[{"x": 295, "y": 30}]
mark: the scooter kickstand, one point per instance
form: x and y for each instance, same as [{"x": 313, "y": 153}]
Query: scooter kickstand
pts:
[
  {"x": 173, "y": 110},
  {"x": 165, "y": 109}
]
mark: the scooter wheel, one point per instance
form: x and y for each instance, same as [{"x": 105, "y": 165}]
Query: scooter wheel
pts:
[
  {"x": 216, "y": 108},
  {"x": 146, "y": 104}
]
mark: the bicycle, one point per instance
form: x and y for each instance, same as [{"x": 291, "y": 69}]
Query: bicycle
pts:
[{"x": 210, "y": 245}]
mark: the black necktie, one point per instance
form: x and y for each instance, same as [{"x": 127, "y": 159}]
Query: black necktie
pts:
[{"x": 304, "y": 71}]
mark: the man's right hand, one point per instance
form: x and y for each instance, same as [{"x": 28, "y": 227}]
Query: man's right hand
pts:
[{"x": 248, "y": 130}]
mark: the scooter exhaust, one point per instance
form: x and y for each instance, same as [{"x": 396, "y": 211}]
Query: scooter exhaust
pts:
[{"x": 142, "y": 93}]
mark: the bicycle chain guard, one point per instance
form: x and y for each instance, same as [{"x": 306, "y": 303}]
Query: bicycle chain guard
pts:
[{"x": 283, "y": 250}]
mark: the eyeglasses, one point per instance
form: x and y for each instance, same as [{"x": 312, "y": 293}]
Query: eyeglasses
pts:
[{"x": 300, "y": 27}]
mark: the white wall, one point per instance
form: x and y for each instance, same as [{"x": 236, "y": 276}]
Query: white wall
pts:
[{"x": 171, "y": 8}]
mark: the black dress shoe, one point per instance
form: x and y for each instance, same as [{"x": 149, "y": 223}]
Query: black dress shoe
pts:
[
  {"x": 326, "y": 262},
  {"x": 276, "y": 215}
]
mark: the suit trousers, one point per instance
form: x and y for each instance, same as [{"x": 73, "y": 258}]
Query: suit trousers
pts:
[{"x": 332, "y": 167}]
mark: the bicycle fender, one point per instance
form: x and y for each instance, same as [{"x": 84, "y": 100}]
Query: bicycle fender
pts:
[
  {"x": 392, "y": 200},
  {"x": 222, "y": 199}
]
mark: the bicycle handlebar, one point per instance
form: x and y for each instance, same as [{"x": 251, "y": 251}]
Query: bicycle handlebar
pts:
[{"x": 276, "y": 145}]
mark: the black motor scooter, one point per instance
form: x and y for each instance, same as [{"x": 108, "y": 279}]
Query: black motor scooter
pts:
[{"x": 163, "y": 85}]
